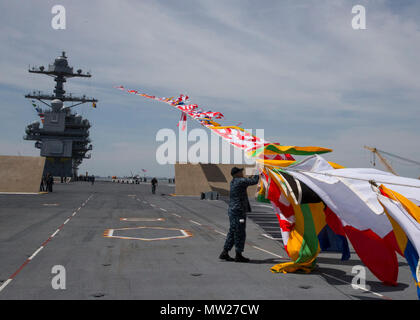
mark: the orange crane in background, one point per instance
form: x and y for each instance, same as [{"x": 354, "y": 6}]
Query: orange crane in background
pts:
[
  {"x": 377, "y": 152},
  {"x": 380, "y": 154}
]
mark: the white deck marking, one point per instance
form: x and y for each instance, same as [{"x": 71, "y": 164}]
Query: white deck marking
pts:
[
  {"x": 270, "y": 237},
  {"x": 361, "y": 288},
  {"x": 56, "y": 231},
  {"x": 219, "y": 232},
  {"x": 163, "y": 209},
  {"x": 5, "y": 284},
  {"x": 142, "y": 219},
  {"x": 110, "y": 234},
  {"x": 195, "y": 222},
  {"x": 266, "y": 251},
  {"x": 35, "y": 253},
  {"x": 185, "y": 233}
]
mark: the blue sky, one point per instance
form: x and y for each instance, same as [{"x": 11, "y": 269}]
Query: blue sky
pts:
[{"x": 295, "y": 68}]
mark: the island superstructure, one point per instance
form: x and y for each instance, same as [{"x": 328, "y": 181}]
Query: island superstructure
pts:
[{"x": 62, "y": 136}]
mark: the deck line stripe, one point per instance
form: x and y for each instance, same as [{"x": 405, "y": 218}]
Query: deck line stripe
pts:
[
  {"x": 56, "y": 231},
  {"x": 224, "y": 234},
  {"x": 269, "y": 252},
  {"x": 36, "y": 252},
  {"x": 5, "y": 284},
  {"x": 20, "y": 268},
  {"x": 270, "y": 237},
  {"x": 361, "y": 288},
  {"x": 45, "y": 242}
]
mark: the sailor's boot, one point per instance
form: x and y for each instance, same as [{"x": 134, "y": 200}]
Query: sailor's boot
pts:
[
  {"x": 240, "y": 258},
  {"x": 225, "y": 256}
]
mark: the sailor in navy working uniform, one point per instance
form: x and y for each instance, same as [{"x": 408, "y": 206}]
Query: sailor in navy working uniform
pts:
[{"x": 238, "y": 207}]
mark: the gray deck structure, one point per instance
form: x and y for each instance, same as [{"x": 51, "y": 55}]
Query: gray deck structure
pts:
[{"x": 99, "y": 267}]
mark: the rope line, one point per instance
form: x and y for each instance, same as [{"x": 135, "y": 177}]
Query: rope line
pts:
[{"x": 353, "y": 178}]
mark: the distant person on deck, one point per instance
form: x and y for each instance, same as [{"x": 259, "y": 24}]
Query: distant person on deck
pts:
[
  {"x": 238, "y": 207},
  {"x": 50, "y": 182},
  {"x": 154, "y": 185},
  {"x": 42, "y": 187},
  {"x": 93, "y": 179}
]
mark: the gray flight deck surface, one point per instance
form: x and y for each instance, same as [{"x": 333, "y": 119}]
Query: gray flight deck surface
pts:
[{"x": 99, "y": 267}]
